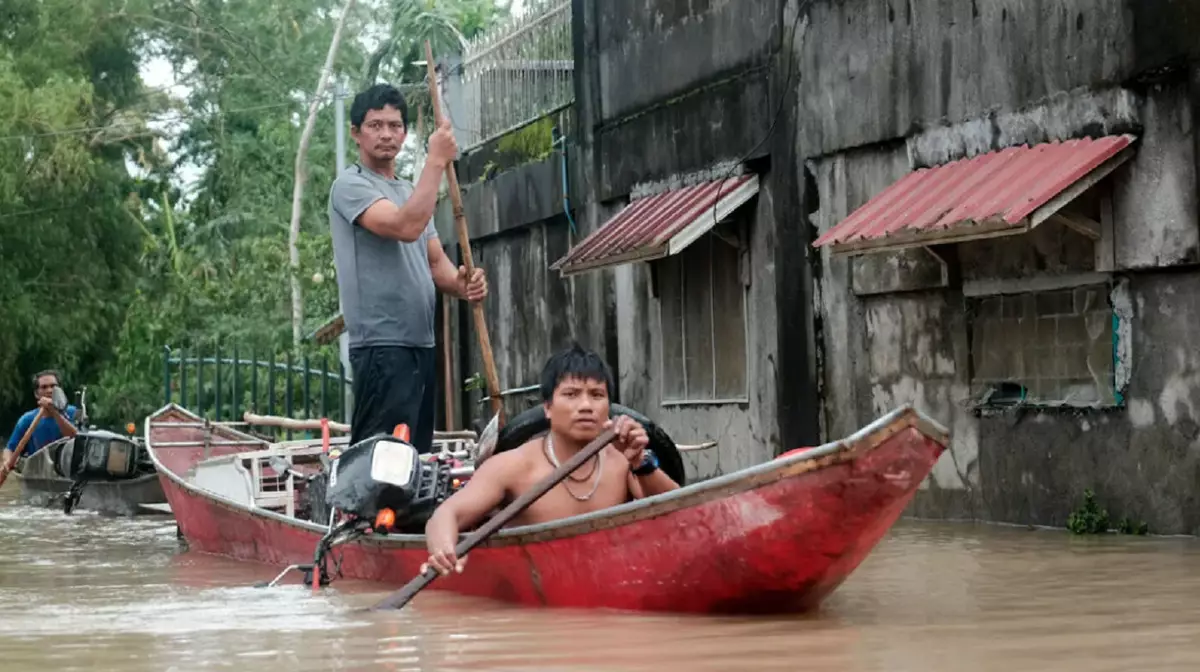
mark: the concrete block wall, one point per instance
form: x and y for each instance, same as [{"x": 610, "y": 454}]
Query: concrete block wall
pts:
[{"x": 898, "y": 326}]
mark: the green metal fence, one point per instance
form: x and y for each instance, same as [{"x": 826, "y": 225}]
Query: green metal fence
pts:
[{"x": 223, "y": 386}]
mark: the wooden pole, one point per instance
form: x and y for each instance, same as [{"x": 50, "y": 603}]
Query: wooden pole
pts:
[
  {"x": 324, "y": 424},
  {"x": 447, "y": 366},
  {"x": 464, "y": 243},
  {"x": 16, "y": 455}
]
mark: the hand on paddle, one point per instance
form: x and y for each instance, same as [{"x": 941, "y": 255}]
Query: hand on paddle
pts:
[
  {"x": 443, "y": 559},
  {"x": 475, "y": 288},
  {"x": 631, "y": 438},
  {"x": 442, "y": 147}
]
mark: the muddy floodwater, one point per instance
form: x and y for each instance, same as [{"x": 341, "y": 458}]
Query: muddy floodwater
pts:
[{"x": 91, "y": 593}]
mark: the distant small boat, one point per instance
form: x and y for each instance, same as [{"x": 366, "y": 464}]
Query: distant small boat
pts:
[
  {"x": 777, "y": 537},
  {"x": 42, "y": 485}
]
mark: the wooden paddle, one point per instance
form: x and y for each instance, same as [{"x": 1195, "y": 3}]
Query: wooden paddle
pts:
[
  {"x": 464, "y": 244},
  {"x": 12, "y": 460},
  {"x": 401, "y": 597}
]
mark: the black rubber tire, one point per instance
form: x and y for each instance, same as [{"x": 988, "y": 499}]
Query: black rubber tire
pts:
[{"x": 533, "y": 422}]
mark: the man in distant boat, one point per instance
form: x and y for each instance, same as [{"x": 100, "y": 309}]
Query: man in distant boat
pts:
[
  {"x": 52, "y": 427},
  {"x": 575, "y": 386},
  {"x": 390, "y": 264}
]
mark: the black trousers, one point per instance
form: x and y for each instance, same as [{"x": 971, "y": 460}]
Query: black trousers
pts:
[{"x": 393, "y": 384}]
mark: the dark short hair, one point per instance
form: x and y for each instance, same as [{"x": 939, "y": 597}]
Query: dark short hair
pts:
[
  {"x": 47, "y": 372},
  {"x": 376, "y": 98},
  {"x": 574, "y": 362}
]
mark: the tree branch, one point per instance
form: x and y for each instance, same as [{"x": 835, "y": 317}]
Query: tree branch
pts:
[{"x": 302, "y": 176}]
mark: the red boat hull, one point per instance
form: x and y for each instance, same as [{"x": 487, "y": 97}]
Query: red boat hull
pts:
[{"x": 778, "y": 537}]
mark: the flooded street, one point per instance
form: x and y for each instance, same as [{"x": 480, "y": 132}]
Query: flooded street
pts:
[{"x": 91, "y": 593}]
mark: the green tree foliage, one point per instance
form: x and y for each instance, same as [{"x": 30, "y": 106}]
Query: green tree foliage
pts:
[
  {"x": 108, "y": 256},
  {"x": 71, "y": 122}
]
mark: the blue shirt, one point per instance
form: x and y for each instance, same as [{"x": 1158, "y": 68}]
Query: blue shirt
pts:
[{"x": 47, "y": 431}]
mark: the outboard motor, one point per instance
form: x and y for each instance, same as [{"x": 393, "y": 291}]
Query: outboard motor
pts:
[
  {"x": 99, "y": 455},
  {"x": 96, "y": 455},
  {"x": 378, "y": 485},
  {"x": 385, "y": 473}
]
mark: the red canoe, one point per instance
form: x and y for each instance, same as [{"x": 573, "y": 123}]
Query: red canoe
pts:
[{"x": 776, "y": 537}]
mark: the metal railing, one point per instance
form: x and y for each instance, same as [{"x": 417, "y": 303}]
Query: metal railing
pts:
[
  {"x": 515, "y": 74},
  {"x": 220, "y": 387}
]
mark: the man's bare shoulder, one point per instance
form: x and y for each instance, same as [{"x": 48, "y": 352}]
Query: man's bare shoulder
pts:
[{"x": 508, "y": 464}]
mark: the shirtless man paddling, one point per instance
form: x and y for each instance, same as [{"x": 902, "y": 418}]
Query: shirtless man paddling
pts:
[{"x": 575, "y": 394}]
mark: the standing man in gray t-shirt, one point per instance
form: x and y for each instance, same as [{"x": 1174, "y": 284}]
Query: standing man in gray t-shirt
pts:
[{"x": 389, "y": 264}]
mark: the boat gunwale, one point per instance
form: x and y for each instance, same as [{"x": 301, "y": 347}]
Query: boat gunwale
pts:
[
  {"x": 137, "y": 480},
  {"x": 826, "y": 455}
]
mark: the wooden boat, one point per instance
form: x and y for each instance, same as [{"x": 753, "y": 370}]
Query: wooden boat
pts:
[
  {"x": 41, "y": 485},
  {"x": 776, "y": 537}
]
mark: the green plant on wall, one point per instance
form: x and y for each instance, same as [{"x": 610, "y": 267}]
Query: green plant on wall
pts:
[
  {"x": 529, "y": 144},
  {"x": 475, "y": 382},
  {"x": 1128, "y": 525},
  {"x": 1089, "y": 518}
]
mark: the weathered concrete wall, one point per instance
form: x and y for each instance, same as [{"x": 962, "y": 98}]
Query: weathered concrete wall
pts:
[
  {"x": 718, "y": 124},
  {"x": 674, "y": 87},
  {"x": 877, "y": 70},
  {"x": 747, "y": 434},
  {"x": 511, "y": 200},
  {"x": 531, "y": 312},
  {"x": 1143, "y": 461},
  {"x": 518, "y": 230},
  {"x": 679, "y": 85},
  {"x": 897, "y": 333},
  {"x": 669, "y": 47},
  {"x": 1164, "y": 34},
  {"x": 844, "y": 182},
  {"x": 1155, "y": 198}
]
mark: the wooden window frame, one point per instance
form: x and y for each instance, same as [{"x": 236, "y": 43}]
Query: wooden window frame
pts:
[{"x": 689, "y": 398}]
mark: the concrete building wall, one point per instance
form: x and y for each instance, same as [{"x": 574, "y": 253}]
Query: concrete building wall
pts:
[
  {"x": 672, "y": 48},
  {"x": 669, "y": 89},
  {"x": 517, "y": 230},
  {"x": 747, "y": 433},
  {"x": 878, "y": 70},
  {"x": 902, "y": 330}
]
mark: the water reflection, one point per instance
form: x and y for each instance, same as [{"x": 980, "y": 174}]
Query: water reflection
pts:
[{"x": 85, "y": 592}]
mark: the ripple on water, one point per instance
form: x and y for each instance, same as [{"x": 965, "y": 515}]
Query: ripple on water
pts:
[{"x": 84, "y": 592}]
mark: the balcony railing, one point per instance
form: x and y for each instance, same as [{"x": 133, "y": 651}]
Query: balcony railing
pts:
[{"x": 513, "y": 75}]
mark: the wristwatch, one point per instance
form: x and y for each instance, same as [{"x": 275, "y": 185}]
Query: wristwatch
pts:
[{"x": 649, "y": 463}]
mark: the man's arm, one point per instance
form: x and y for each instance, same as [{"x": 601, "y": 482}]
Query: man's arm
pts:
[
  {"x": 653, "y": 483},
  {"x": 445, "y": 276},
  {"x": 451, "y": 280},
  {"x": 631, "y": 441},
  {"x": 406, "y": 222},
  {"x": 64, "y": 424},
  {"x": 465, "y": 508}
]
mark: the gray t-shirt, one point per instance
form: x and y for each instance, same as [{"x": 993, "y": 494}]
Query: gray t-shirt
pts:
[{"x": 386, "y": 287}]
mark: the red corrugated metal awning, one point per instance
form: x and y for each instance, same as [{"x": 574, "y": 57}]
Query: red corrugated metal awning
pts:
[
  {"x": 658, "y": 226},
  {"x": 996, "y": 194}
]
